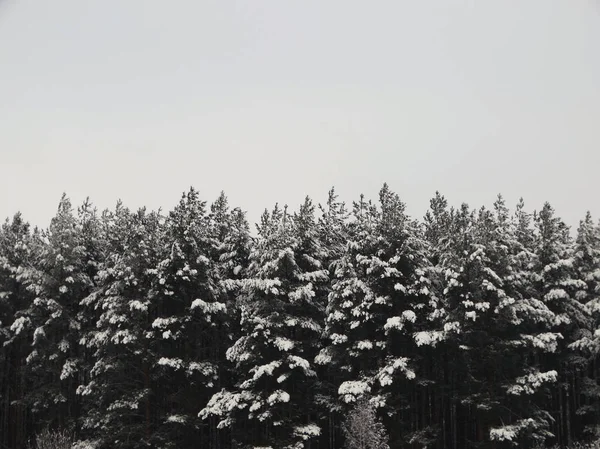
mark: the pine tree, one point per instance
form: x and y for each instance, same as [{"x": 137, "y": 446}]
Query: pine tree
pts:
[
  {"x": 279, "y": 321},
  {"x": 190, "y": 331},
  {"x": 471, "y": 328},
  {"x": 501, "y": 380},
  {"x": 17, "y": 250},
  {"x": 380, "y": 282},
  {"x": 60, "y": 280},
  {"x": 558, "y": 287},
  {"x": 120, "y": 391},
  {"x": 404, "y": 279},
  {"x": 586, "y": 262},
  {"x": 451, "y": 233},
  {"x": 333, "y": 233},
  {"x": 352, "y": 314}
]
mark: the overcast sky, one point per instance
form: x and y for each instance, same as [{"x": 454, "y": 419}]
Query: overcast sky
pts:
[{"x": 274, "y": 100}]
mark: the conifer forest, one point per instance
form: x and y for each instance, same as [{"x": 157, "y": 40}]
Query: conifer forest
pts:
[{"x": 469, "y": 328}]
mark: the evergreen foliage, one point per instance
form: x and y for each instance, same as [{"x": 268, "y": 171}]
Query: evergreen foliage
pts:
[{"x": 331, "y": 327}]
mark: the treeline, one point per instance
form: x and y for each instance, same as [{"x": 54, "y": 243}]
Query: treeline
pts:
[{"x": 137, "y": 329}]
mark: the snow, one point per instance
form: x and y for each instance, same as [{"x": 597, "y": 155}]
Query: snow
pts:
[
  {"x": 555, "y": 294},
  {"x": 64, "y": 346},
  {"x": 123, "y": 337},
  {"x": 364, "y": 344},
  {"x": 264, "y": 285},
  {"x": 324, "y": 357},
  {"x": 307, "y": 431},
  {"x": 122, "y": 404},
  {"x": 548, "y": 341},
  {"x": 255, "y": 406},
  {"x": 530, "y": 383},
  {"x": 207, "y": 369},
  {"x": 68, "y": 369},
  {"x": 19, "y": 325},
  {"x": 565, "y": 263},
  {"x": 223, "y": 402},
  {"x": 237, "y": 352},
  {"x": 352, "y": 390},
  {"x": 209, "y": 307},
  {"x": 161, "y": 323},
  {"x": 409, "y": 316},
  {"x": 299, "y": 362},
  {"x": 506, "y": 433},
  {"x": 263, "y": 370},
  {"x": 338, "y": 339},
  {"x": 510, "y": 432},
  {"x": 86, "y": 444},
  {"x": 472, "y": 315},
  {"x": 39, "y": 334},
  {"x": 172, "y": 363},
  {"x": 482, "y": 306},
  {"x": 428, "y": 338},
  {"x": 139, "y": 305},
  {"x": 394, "y": 323},
  {"x": 386, "y": 375},
  {"x": 179, "y": 419},
  {"x": 282, "y": 378},
  {"x": 278, "y": 397},
  {"x": 284, "y": 344},
  {"x": 314, "y": 276},
  {"x": 453, "y": 326},
  {"x": 305, "y": 292},
  {"x": 168, "y": 335}
]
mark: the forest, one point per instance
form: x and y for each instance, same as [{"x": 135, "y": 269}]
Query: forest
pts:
[{"x": 468, "y": 328}]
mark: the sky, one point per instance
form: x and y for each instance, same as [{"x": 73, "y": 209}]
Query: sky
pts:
[{"x": 271, "y": 101}]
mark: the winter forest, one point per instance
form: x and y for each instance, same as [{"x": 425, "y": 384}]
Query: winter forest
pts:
[{"x": 468, "y": 328}]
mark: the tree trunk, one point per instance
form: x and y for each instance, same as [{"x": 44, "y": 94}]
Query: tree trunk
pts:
[
  {"x": 568, "y": 412},
  {"x": 147, "y": 388},
  {"x": 560, "y": 420}
]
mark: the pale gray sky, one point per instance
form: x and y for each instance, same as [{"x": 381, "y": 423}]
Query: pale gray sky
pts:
[{"x": 273, "y": 100}]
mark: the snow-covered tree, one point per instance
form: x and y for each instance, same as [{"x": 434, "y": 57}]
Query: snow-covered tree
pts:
[
  {"x": 502, "y": 339},
  {"x": 558, "y": 286},
  {"x": 190, "y": 329},
  {"x": 473, "y": 328},
  {"x": 230, "y": 241},
  {"x": 352, "y": 315},
  {"x": 17, "y": 251},
  {"x": 380, "y": 284},
  {"x": 119, "y": 391},
  {"x": 61, "y": 278},
  {"x": 484, "y": 307},
  {"x": 333, "y": 234},
  {"x": 586, "y": 262},
  {"x": 280, "y": 309}
]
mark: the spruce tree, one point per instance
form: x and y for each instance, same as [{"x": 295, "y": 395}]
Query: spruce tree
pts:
[
  {"x": 61, "y": 277},
  {"x": 17, "y": 251},
  {"x": 380, "y": 282},
  {"x": 121, "y": 389},
  {"x": 280, "y": 322},
  {"x": 190, "y": 330},
  {"x": 558, "y": 286},
  {"x": 586, "y": 262}
]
